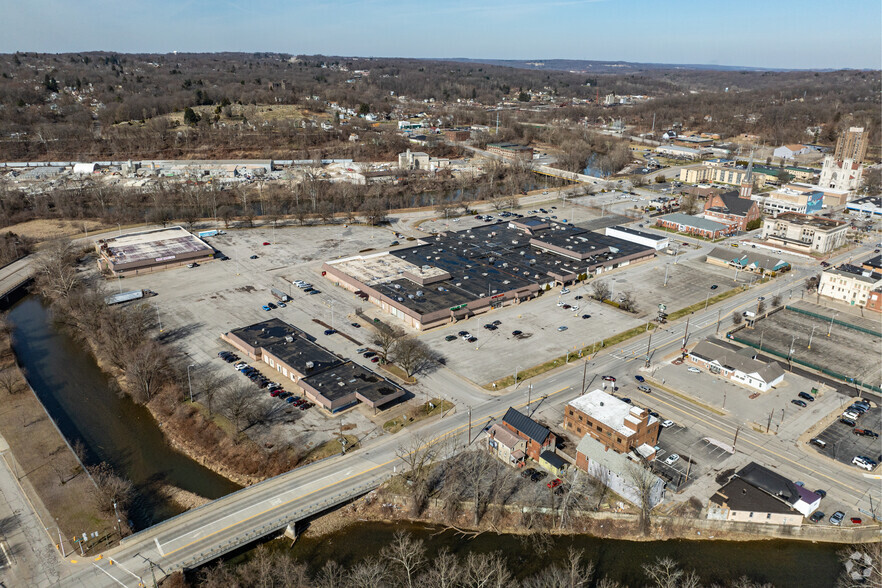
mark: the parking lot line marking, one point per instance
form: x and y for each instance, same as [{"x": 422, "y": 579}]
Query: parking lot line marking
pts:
[{"x": 761, "y": 447}]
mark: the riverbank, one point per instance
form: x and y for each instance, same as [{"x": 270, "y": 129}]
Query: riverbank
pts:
[{"x": 379, "y": 507}]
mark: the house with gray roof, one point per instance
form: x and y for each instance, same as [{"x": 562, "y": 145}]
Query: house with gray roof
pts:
[
  {"x": 623, "y": 473},
  {"x": 538, "y": 437},
  {"x": 741, "y": 365},
  {"x": 746, "y": 260}
]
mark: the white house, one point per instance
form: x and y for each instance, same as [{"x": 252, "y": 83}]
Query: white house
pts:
[
  {"x": 620, "y": 472},
  {"x": 741, "y": 366},
  {"x": 790, "y": 151}
]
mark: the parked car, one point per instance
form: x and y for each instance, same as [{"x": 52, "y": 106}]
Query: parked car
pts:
[
  {"x": 539, "y": 475},
  {"x": 192, "y": 265},
  {"x": 694, "y": 370},
  {"x": 265, "y": 307},
  {"x": 562, "y": 328},
  {"x": 640, "y": 379},
  {"x": 565, "y": 291},
  {"x": 586, "y": 316},
  {"x": 866, "y": 433},
  {"x": 450, "y": 338},
  {"x": 864, "y": 462},
  {"x": 363, "y": 349},
  {"x": 851, "y": 414},
  {"x": 528, "y": 472},
  {"x": 577, "y": 297},
  {"x": 644, "y": 389},
  {"x": 516, "y": 333},
  {"x": 847, "y": 421},
  {"x": 368, "y": 354},
  {"x": 626, "y": 400},
  {"x": 554, "y": 483},
  {"x": 714, "y": 287},
  {"x": 806, "y": 396},
  {"x": 672, "y": 459},
  {"x": 282, "y": 305},
  {"x": 356, "y": 325},
  {"x": 608, "y": 378},
  {"x": 821, "y": 493},
  {"x": 496, "y": 323},
  {"x": 330, "y": 331},
  {"x": 819, "y": 442},
  {"x": 375, "y": 359},
  {"x": 798, "y": 403},
  {"x": 666, "y": 424},
  {"x": 271, "y": 305},
  {"x": 253, "y": 257},
  {"x": 856, "y": 520},
  {"x": 837, "y": 517},
  {"x": 816, "y": 516},
  {"x": 472, "y": 339}
]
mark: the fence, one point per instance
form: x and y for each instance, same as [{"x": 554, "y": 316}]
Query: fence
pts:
[{"x": 835, "y": 321}]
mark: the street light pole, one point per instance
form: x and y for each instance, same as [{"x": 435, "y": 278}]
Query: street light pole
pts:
[
  {"x": 830, "y": 329},
  {"x": 189, "y": 385},
  {"x": 812, "y": 335},
  {"x": 158, "y": 318},
  {"x": 707, "y": 299}
]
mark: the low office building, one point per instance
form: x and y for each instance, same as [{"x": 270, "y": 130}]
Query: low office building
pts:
[
  {"x": 747, "y": 260},
  {"x": 870, "y": 205},
  {"x": 791, "y": 151},
  {"x": 511, "y": 151},
  {"x": 537, "y": 438},
  {"x": 874, "y": 301},
  {"x": 803, "y": 501},
  {"x": 150, "y": 251},
  {"x": 324, "y": 378},
  {"x": 506, "y": 445},
  {"x": 457, "y": 134},
  {"x": 623, "y": 473},
  {"x": 790, "y": 200},
  {"x": 452, "y": 276},
  {"x": 740, "y": 502},
  {"x": 807, "y": 233},
  {"x": 741, "y": 366},
  {"x": 849, "y": 284},
  {"x": 833, "y": 197},
  {"x": 873, "y": 264},
  {"x": 615, "y": 424},
  {"x": 679, "y": 151},
  {"x": 657, "y": 242},
  {"x": 695, "y": 225},
  {"x": 731, "y": 209},
  {"x": 348, "y": 384}
]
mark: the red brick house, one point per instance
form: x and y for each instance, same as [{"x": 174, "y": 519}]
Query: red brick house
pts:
[
  {"x": 730, "y": 208},
  {"x": 538, "y": 438}
]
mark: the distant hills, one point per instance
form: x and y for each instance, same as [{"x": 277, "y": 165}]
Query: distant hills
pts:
[{"x": 611, "y": 67}]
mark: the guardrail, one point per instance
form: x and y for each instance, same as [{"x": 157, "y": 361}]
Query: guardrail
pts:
[{"x": 275, "y": 525}]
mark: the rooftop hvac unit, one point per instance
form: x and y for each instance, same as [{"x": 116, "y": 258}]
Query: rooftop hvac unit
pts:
[
  {"x": 289, "y": 338},
  {"x": 400, "y": 299},
  {"x": 484, "y": 274},
  {"x": 458, "y": 284},
  {"x": 419, "y": 292},
  {"x": 506, "y": 282},
  {"x": 514, "y": 242},
  {"x": 410, "y": 296},
  {"x": 396, "y": 286},
  {"x": 495, "y": 291},
  {"x": 309, "y": 365}
]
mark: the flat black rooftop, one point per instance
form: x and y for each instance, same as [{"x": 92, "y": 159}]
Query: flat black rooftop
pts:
[
  {"x": 637, "y": 233},
  {"x": 267, "y": 332},
  {"x": 304, "y": 356},
  {"x": 349, "y": 377}
]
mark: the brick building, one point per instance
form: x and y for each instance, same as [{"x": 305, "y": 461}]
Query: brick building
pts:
[
  {"x": 695, "y": 225},
  {"x": 511, "y": 151},
  {"x": 731, "y": 209},
  {"x": 537, "y": 437},
  {"x": 614, "y": 423}
]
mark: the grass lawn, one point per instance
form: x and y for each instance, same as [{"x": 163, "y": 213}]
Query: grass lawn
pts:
[
  {"x": 423, "y": 411},
  {"x": 330, "y": 448}
]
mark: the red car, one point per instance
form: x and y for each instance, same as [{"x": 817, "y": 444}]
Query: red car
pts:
[
  {"x": 555, "y": 483},
  {"x": 266, "y": 242},
  {"x": 856, "y": 520}
]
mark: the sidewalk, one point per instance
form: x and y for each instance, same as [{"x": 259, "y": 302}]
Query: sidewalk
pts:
[{"x": 28, "y": 556}]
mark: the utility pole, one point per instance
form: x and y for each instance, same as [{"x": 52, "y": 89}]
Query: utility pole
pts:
[
  {"x": 667, "y": 265},
  {"x": 686, "y": 333},
  {"x": 719, "y": 315},
  {"x": 734, "y": 441},
  {"x": 648, "y": 348},
  {"x": 189, "y": 385},
  {"x": 470, "y": 427},
  {"x": 769, "y": 422},
  {"x": 584, "y": 376}
]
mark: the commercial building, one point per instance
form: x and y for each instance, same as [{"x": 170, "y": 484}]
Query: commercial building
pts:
[
  {"x": 323, "y": 377},
  {"x": 741, "y": 366},
  {"x": 511, "y": 151},
  {"x": 714, "y": 172},
  {"x": 453, "y": 276},
  {"x": 791, "y": 151},
  {"x": 731, "y": 209},
  {"x": 457, "y": 134},
  {"x": 411, "y": 160},
  {"x": 866, "y": 205},
  {"x": 537, "y": 438},
  {"x": 694, "y": 141},
  {"x": 791, "y": 200},
  {"x": 679, "y": 151},
  {"x": 852, "y": 145},
  {"x": 615, "y": 424},
  {"x": 150, "y": 251},
  {"x": 622, "y": 473},
  {"x": 740, "y": 502},
  {"x": 657, "y": 242},
  {"x": 849, "y": 284},
  {"x": 803, "y": 502},
  {"x": 746, "y": 260},
  {"x": 695, "y": 225},
  {"x": 807, "y": 233},
  {"x": 764, "y": 175},
  {"x": 832, "y": 196}
]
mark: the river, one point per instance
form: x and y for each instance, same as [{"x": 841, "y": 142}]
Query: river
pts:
[
  {"x": 784, "y": 564},
  {"x": 112, "y": 428}
]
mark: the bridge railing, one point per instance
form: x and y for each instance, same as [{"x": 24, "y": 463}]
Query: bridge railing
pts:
[{"x": 274, "y": 525}]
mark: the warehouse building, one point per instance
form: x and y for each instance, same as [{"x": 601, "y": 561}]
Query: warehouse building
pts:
[
  {"x": 511, "y": 151},
  {"x": 150, "y": 251},
  {"x": 657, "y": 242},
  {"x": 695, "y": 225},
  {"x": 452, "y": 276}
]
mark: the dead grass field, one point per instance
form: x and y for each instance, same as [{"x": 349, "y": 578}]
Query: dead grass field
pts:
[
  {"x": 45, "y": 229},
  {"x": 255, "y": 114},
  {"x": 44, "y": 462}
]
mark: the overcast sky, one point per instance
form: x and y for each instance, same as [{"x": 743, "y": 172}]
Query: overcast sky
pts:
[{"x": 768, "y": 33}]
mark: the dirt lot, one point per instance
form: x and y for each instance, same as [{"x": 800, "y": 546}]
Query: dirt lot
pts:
[{"x": 43, "y": 229}]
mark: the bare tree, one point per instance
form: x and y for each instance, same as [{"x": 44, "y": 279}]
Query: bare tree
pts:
[
  {"x": 332, "y": 575},
  {"x": 407, "y": 553},
  {"x": 812, "y": 282},
  {"x": 368, "y": 573},
  {"x": 111, "y": 488},
  {"x": 236, "y": 405},
  {"x": 486, "y": 570},
  {"x": 413, "y": 355},
  {"x": 689, "y": 204},
  {"x": 665, "y": 573},
  {"x": 628, "y": 302},
  {"x": 736, "y": 318},
  {"x": 146, "y": 370},
  {"x": 445, "y": 571},
  {"x": 387, "y": 339},
  {"x": 600, "y": 290},
  {"x": 10, "y": 381},
  {"x": 643, "y": 481},
  {"x": 210, "y": 385},
  {"x": 574, "y": 574},
  {"x": 776, "y": 301},
  {"x": 374, "y": 211},
  {"x": 55, "y": 270}
]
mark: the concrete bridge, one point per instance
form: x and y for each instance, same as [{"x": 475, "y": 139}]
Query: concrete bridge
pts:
[{"x": 14, "y": 277}]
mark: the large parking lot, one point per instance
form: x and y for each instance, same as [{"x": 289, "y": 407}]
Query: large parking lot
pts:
[
  {"x": 853, "y": 353},
  {"x": 699, "y": 455},
  {"x": 843, "y": 445}
]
